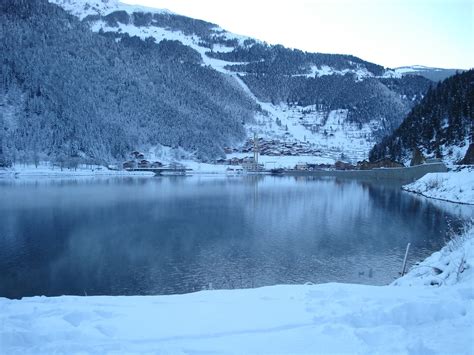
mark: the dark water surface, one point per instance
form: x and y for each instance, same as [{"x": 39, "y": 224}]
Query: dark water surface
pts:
[{"x": 166, "y": 235}]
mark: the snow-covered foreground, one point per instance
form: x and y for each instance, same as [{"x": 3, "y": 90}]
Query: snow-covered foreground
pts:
[
  {"x": 405, "y": 317},
  {"x": 280, "y": 319},
  {"x": 454, "y": 186}
]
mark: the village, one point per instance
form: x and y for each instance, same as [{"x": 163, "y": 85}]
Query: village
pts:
[{"x": 247, "y": 159}]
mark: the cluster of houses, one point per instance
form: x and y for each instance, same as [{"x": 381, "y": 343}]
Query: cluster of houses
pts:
[
  {"x": 340, "y": 165},
  {"x": 366, "y": 165},
  {"x": 311, "y": 167},
  {"x": 275, "y": 147},
  {"x": 381, "y": 163},
  {"x": 235, "y": 161},
  {"x": 138, "y": 161}
]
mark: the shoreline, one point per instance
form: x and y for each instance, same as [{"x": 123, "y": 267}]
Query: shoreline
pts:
[
  {"x": 436, "y": 198},
  {"x": 45, "y": 171},
  {"x": 411, "y": 178}
]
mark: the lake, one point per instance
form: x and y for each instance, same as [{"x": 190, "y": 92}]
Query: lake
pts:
[{"x": 166, "y": 235}]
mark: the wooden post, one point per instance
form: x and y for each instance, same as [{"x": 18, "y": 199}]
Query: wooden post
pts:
[{"x": 405, "y": 259}]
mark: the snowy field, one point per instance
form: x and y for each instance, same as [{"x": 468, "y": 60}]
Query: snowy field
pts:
[
  {"x": 46, "y": 171},
  {"x": 454, "y": 186},
  {"x": 429, "y": 311}
]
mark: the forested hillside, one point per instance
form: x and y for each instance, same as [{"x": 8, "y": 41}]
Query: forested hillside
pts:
[
  {"x": 67, "y": 92},
  {"x": 365, "y": 100},
  {"x": 114, "y": 78},
  {"x": 349, "y": 84},
  {"x": 441, "y": 125}
]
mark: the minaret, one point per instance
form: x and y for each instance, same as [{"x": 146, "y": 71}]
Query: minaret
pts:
[{"x": 255, "y": 149}]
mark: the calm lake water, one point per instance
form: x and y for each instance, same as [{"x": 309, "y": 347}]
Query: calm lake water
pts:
[{"x": 129, "y": 236}]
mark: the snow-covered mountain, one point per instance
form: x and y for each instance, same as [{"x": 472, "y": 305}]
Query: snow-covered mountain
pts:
[
  {"x": 68, "y": 94},
  {"x": 339, "y": 105}
]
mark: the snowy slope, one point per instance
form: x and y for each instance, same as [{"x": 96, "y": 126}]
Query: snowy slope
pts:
[
  {"x": 401, "y": 71},
  {"x": 330, "y": 132},
  {"x": 407, "y": 317},
  {"x": 324, "y": 70},
  {"x": 434, "y": 74}
]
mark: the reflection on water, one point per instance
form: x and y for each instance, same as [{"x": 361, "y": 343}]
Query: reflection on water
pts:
[{"x": 176, "y": 235}]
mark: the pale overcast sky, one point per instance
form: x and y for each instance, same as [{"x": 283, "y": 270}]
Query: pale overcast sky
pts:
[{"x": 388, "y": 32}]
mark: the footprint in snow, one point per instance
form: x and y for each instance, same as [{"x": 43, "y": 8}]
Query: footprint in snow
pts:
[{"x": 76, "y": 318}]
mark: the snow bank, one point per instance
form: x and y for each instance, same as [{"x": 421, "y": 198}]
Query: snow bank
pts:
[
  {"x": 338, "y": 318},
  {"x": 454, "y": 186},
  {"x": 451, "y": 265}
]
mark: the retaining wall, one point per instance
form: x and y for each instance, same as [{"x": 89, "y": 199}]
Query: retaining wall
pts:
[{"x": 399, "y": 174}]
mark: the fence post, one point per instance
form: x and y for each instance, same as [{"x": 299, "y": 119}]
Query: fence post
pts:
[{"x": 405, "y": 259}]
